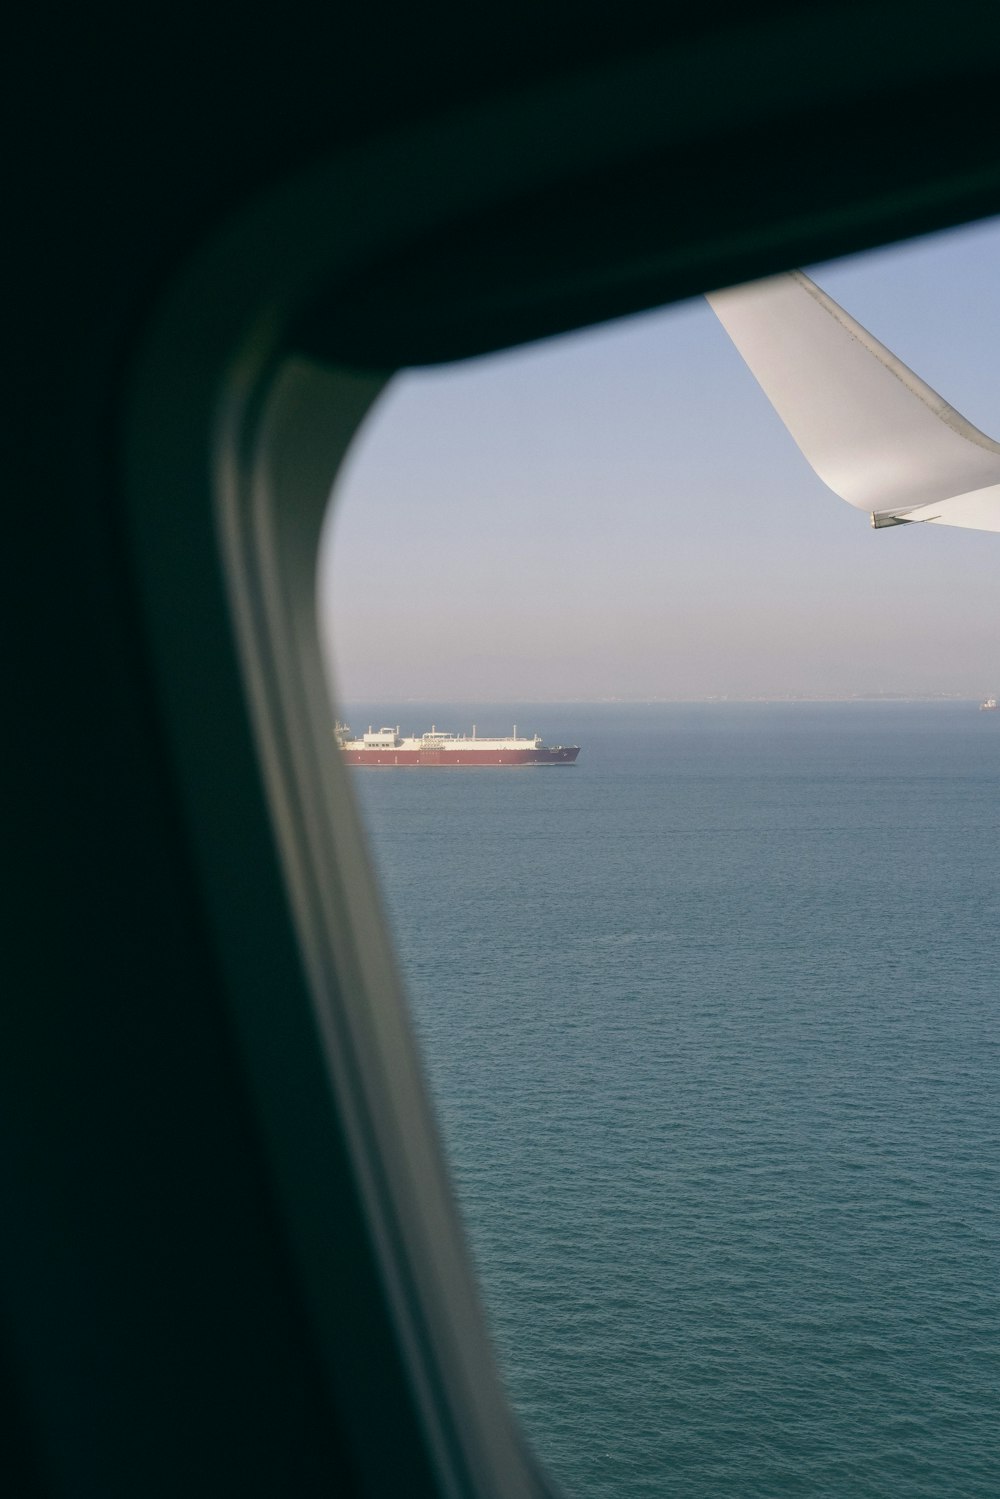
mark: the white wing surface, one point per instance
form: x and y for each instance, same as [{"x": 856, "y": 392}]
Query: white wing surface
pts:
[{"x": 872, "y": 430}]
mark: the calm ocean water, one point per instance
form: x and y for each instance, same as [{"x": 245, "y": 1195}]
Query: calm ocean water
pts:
[{"x": 712, "y": 1021}]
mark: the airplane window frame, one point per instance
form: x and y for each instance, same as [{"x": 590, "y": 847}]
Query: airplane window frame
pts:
[
  {"x": 238, "y": 414},
  {"x": 233, "y": 439}
]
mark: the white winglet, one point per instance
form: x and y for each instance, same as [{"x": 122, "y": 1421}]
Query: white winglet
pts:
[{"x": 872, "y": 430}]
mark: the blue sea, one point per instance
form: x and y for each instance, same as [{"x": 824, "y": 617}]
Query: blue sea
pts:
[{"x": 712, "y": 1024}]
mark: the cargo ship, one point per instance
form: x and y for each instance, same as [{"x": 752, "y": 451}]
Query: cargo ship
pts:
[{"x": 387, "y": 747}]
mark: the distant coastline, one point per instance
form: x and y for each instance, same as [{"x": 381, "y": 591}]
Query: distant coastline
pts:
[{"x": 651, "y": 701}]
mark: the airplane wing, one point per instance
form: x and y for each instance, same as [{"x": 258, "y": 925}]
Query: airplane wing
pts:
[{"x": 873, "y": 431}]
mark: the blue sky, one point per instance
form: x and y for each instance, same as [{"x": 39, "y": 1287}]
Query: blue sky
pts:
[{"x": 619, "y": 513}]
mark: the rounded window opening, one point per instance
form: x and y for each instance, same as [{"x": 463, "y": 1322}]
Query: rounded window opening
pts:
[{"x": 708, "y": 1012}]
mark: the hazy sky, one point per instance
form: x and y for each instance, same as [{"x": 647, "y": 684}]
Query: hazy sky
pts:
[{"x": 620, "y": 513}]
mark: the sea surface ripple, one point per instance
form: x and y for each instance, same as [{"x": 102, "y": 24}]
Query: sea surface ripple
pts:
[{"x": 712, "y": 1024}]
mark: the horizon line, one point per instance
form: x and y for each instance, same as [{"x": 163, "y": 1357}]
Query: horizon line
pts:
[{"x": 718, "y": 699}]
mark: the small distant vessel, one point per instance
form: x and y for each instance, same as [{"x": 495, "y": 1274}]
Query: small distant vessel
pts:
[
  {"x": 989, "y": 706},
  {"x": 386, "y": 746}
]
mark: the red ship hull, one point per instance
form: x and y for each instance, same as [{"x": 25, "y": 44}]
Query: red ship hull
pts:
[{"x": 556, "y": 755}]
